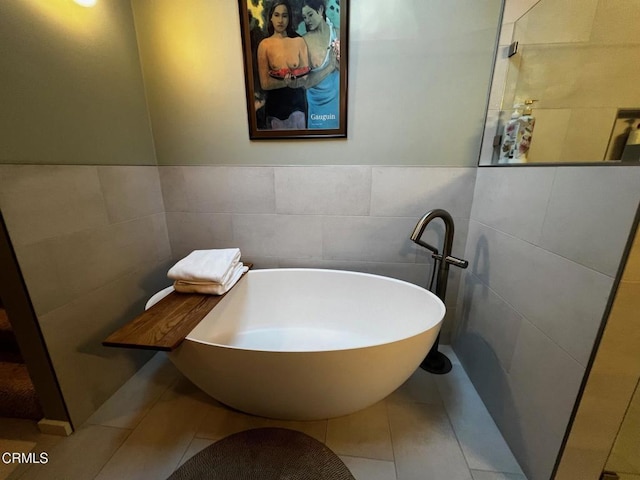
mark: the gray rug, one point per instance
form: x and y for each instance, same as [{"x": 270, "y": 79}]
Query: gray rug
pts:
[{"x": 265, "y": 454}]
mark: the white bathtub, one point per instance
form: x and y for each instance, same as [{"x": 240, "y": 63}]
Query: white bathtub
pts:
[{"x": 306, "y": 344}]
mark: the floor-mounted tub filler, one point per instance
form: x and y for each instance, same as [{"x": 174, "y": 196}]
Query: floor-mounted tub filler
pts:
[{"x": 306, "y": 344}]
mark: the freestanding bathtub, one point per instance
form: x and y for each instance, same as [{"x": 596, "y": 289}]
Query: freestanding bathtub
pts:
[{"x": 306, "y": 344}]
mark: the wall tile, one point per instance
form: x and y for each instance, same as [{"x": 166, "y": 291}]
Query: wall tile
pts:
[
  {"x": 161, "y": 236},
  {"x": 513, "y": 200},
  {"x": 287, "y": 236},
  {"x": 614, "y": 23},
  {"x": 40, "y": 202},
  {"x": 88, "y": 372},
  {"x": 578, "y": 147},
  {"x": 412, "y": 191},
  {"x": 229, "y": 189},
  {"x": 60, "y": 269},
  {"x": 323, "y": 190},
  {"x": 549, "y": 136},
  {"x": 483, "y": 314},
  {"x": 409, "y": 272},
  {"x": 198, "y": 231},
  {"x": 588, "y": 221},
  {"x": 174, "y": 189},
  {"x": 368, "y": 239},
  {"x": 568, "y": 309},
  {"x": 540, "y": 367},
  {"x": 130, "y": 192}
]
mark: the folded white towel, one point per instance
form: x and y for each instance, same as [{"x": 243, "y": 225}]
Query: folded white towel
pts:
[
  {"x": 215, "y": 265},
  {"x": 211, "y": 288}
]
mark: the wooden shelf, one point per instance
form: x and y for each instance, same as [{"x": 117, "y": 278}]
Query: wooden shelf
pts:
[{"x": 166, "y": 324}]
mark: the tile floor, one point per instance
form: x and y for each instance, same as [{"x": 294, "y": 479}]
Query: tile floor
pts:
[{"x": 433, "y": 427}]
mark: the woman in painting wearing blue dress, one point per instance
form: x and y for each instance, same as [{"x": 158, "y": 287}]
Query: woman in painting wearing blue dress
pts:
[
  {"x": 323, "y": 82},
  {"x": 323, "y": 40}
]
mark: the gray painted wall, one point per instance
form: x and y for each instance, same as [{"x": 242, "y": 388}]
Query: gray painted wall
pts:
[
  {"x": 72, "y": 90},
  {"x": 419, "y": 76},
  {"x": 544, "y": 246}
]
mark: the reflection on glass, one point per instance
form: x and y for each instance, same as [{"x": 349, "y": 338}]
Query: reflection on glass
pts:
[
  {"x": 579, "y": 62},
  {"x": 625, "y": 455}
]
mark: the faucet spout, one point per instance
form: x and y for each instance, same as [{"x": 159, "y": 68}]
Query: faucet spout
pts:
[{"x": 422, "y": 225}]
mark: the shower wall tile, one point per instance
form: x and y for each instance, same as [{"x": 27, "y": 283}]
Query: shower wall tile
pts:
[
  {"x": 412, "y": 191},
  {"x": 372, "y": 239},
  {"x": 130, "y": 192},
  {"x": 593, "y": 147},
  {"x": 584, "y": 205},
  {"x": 513, "y": 200},
  {"x": 331, "y": 190},
  {"x": 562, "y": 298},
  {"x": 615, "y": 22},
  {"x": 287, "y": 236},
  {"x": 40, "y": 202},
  {"x": 552, "y": 125}
]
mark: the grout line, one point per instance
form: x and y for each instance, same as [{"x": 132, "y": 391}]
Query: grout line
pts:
[{"x": 393, "y": 448}]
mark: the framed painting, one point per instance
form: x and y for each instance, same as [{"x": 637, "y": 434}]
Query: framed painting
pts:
[{"x": 295, "y": 62}]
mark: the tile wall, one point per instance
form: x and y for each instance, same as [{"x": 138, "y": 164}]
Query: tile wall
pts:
[
  {"x": 94, "y": 242},
  {"x": 544, "y": 246},
  {"x": 347, "y": 217},
  {"x": 92, "y": 245}
]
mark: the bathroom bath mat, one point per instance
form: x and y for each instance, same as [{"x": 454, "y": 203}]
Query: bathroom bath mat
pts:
[{"x": 264, "y": 454}]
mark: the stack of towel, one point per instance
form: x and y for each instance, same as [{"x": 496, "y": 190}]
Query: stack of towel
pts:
[{"x": 207, "y": 271}]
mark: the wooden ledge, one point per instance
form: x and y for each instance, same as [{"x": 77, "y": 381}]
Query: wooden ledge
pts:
[{"x": 166, "y": 324}]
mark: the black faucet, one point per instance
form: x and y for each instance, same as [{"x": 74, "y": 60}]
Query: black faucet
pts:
[{"x": 435, "y": 361}]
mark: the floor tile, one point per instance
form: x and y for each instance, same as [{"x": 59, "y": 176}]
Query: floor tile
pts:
[
  {"x": 196, "y": 446},
  {"x": 482, "y": 444},
  {"x": 80, "y": 456},
  {"x": 135, "y": 398},
  {"x": 421, "y": 387},
  {"x": 221, "y": 422},
  {"x": 156, "y": 446},
  {"x": 369, "y": 469},
  {"x": 362, "y": 434},
  {"x": 424, "y": 443},
  {"x": 12, "y": 446}
]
